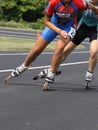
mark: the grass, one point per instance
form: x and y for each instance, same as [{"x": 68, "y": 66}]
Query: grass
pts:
[
  {"x": 13, "y": 44},
  {"x": 7, "y": 43}
]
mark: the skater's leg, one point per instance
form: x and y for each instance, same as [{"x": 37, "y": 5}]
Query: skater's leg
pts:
[
  {"x": 51, "y": 72},
  {"x": 67, "y": 50},
  {"x": 34, "y": 52},
  {"x": 45, "y": 38},
  {"x": 59, "y": 58},
  {"x": 58, "y": 54},
  {"x": 93, "y": 55},
  {"x": 92, "y": 60}
]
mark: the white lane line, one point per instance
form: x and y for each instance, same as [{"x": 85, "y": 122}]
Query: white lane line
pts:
[
  {"x": 44, "y": 53},
  {"x": 41, "y": 67}
]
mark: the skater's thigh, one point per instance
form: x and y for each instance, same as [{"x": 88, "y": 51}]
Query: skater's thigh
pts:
[{"x": 48, "y": 34}]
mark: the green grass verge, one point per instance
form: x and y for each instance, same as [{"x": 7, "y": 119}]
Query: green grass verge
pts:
[{"x": 13, "y": 44}]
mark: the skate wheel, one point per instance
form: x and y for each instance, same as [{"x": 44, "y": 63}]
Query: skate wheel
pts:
[
  {"x": 58, "y": 73},
  {"x": 8, "y": 78},
  {"x": 36, "y": 78},
  {"x": 87, "y": 85},
  {"x": 45, "y": 86}
]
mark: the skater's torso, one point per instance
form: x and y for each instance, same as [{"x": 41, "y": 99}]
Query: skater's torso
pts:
[
  {"x": 89, "y": 17},
  {"x": 61, "y": 13}
]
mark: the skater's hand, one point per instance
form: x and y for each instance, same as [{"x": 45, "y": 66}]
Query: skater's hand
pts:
[{"x": 63, "y": 34}]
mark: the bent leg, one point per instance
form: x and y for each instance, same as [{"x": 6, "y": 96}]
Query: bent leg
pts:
[
  {"x": 46, "y": 37},
  {"x": 56, "y": 59},
  {"x": 93, "y": 55},
  {"x": 92, "y": 61},
  {"x": 59, "y": 55},
  {"x": 68, "y": 49},
  {"x": 35, "y": 51}
]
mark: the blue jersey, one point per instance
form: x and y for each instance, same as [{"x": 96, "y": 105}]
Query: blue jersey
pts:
[{"x": 89, "y": 17}]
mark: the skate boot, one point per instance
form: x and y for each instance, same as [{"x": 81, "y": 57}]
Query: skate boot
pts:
[
  {"x": 88, "y": 78},
  {"x": 16, "y": 72},
  {"x": 41, "y": 75},
  {"x": 44, "y": 73},
  {"x": 49, "y": 79}
]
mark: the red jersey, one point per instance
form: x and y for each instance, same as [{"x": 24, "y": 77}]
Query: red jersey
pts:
[{"x": 65, "y": 13}]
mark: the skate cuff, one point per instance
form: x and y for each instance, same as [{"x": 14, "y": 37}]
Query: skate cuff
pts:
[
  {"x": 25, "y": 67},
  {"x": 90, "y": 71}
]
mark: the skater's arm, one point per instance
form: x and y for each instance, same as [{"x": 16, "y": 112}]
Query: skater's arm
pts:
[
  {"x": 51, "y": 25},
  {"x": 49, "y": 12},
  {"x": 92, "y": 7},
  {"x": 54, "y": 28}
]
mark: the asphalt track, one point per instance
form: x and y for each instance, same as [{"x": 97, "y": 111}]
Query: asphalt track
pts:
[{"x": 66, "y": 106}]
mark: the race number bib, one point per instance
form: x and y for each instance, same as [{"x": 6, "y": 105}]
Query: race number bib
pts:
[{"x": 72, "y": 32}]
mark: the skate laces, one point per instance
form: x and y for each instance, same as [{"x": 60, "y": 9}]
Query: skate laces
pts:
[
  {"x": 89, "y": 76},
  {"x": 50, "y": 77},
  {"x": 19, "y": 70}
]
